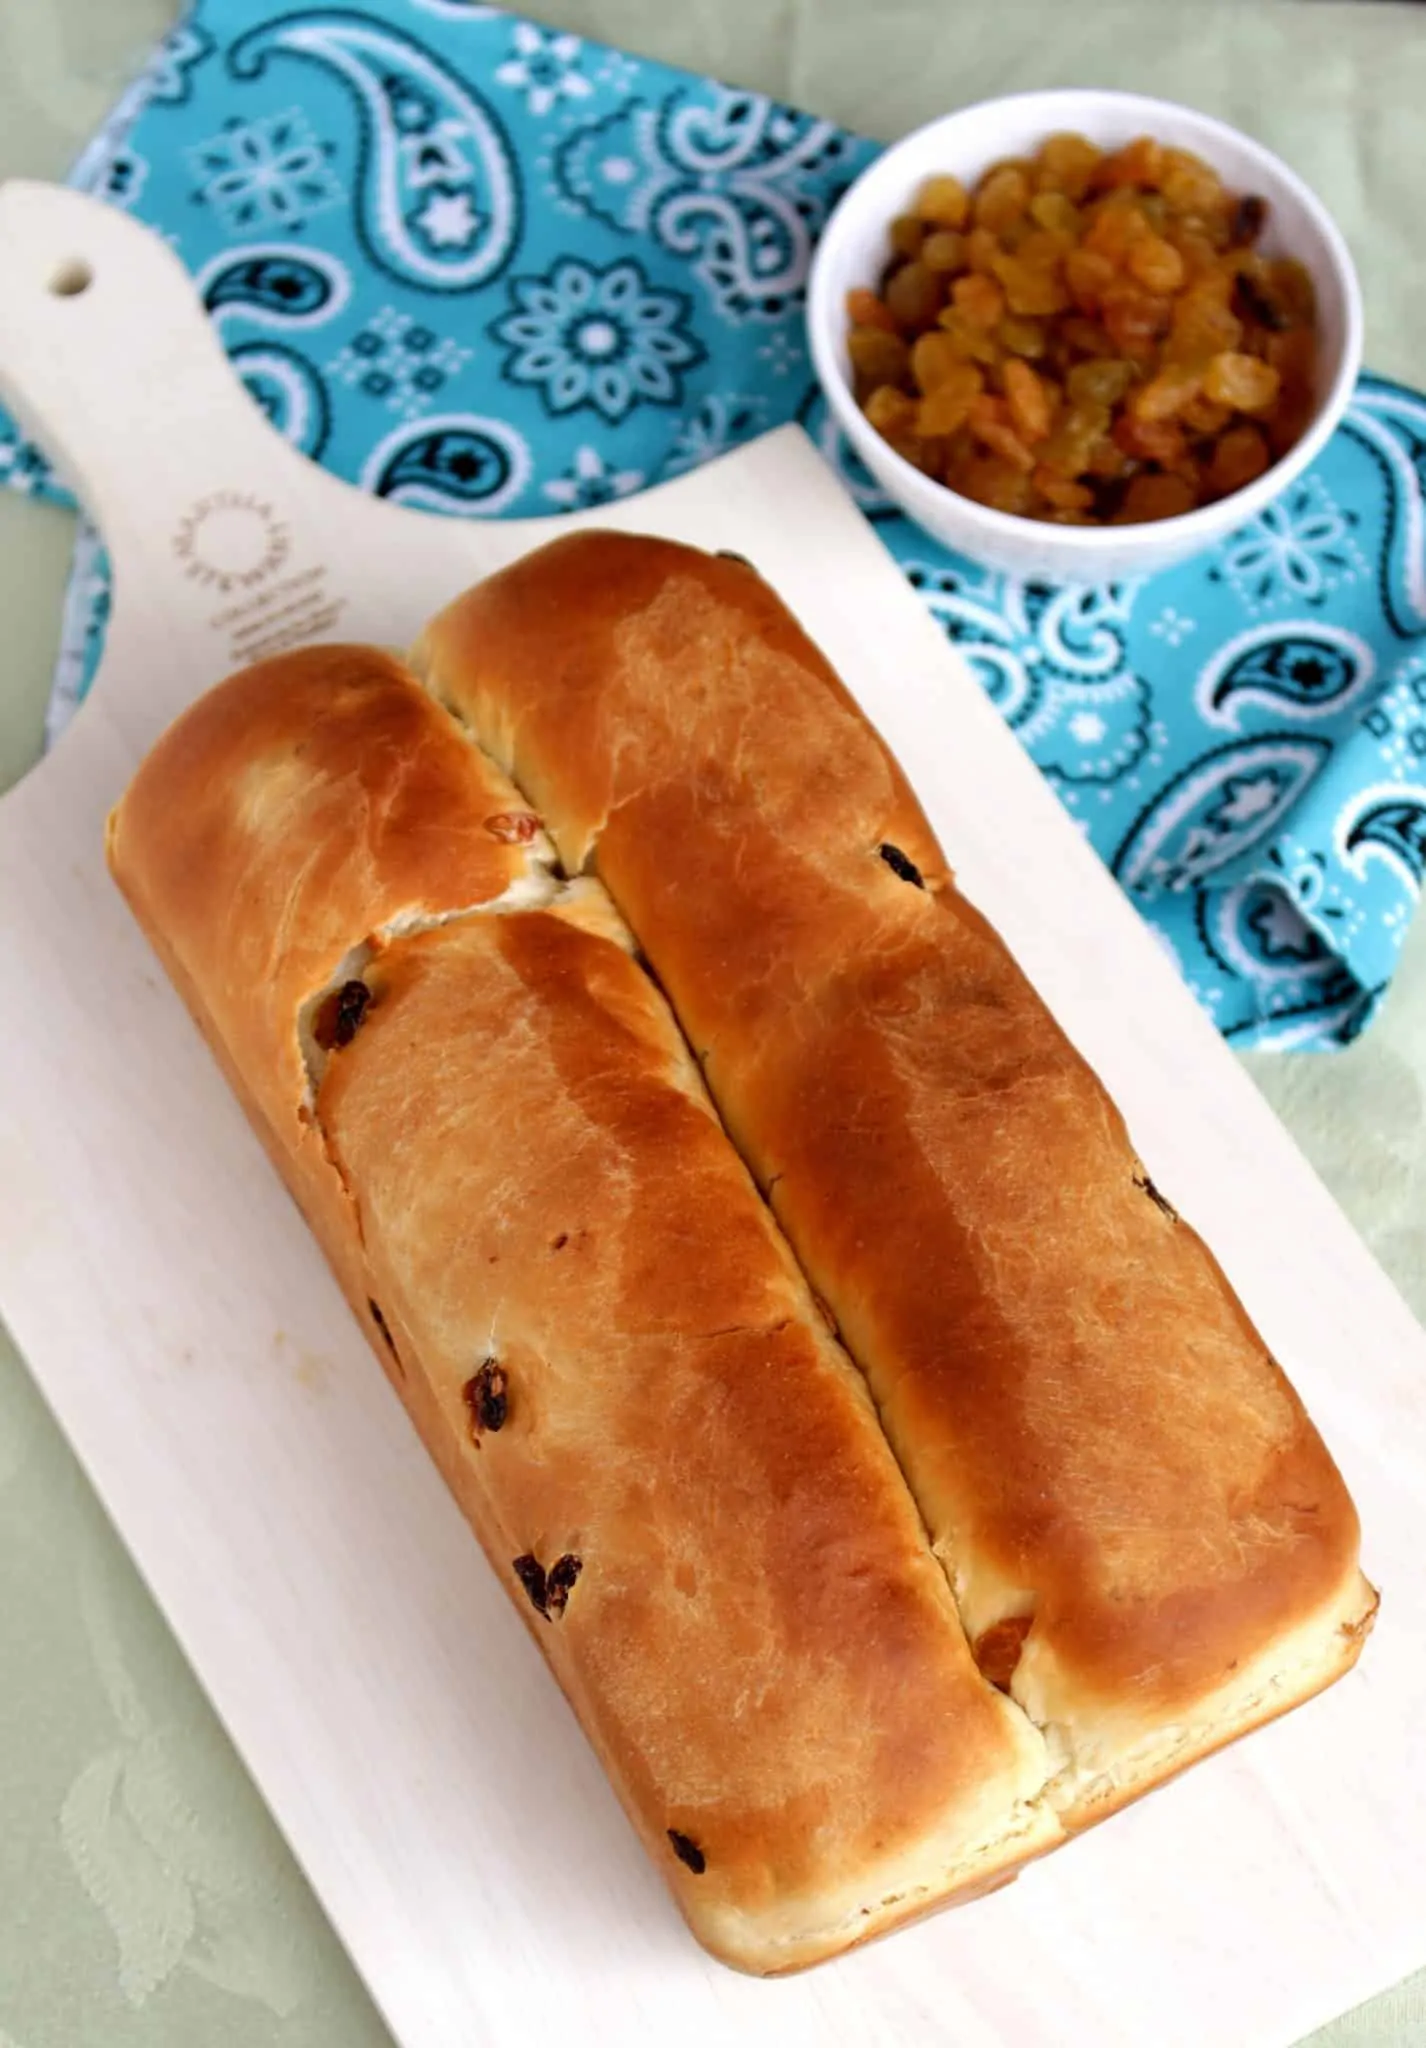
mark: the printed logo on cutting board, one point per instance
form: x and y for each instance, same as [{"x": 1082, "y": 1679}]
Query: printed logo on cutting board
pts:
[{"x": 231, "y": 540}]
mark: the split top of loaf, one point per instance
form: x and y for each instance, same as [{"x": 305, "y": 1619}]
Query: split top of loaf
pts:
[{"x": 1148, "y": 1541}]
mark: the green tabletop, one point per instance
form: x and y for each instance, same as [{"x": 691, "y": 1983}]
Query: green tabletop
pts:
[{"x": 145, "y": 1895}]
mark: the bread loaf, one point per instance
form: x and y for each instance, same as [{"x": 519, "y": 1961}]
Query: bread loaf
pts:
[
  {"x": 489, "y": 1117},
  {"x": 889, "y": 1475},
  {"x": 1149, "y": 1545}
]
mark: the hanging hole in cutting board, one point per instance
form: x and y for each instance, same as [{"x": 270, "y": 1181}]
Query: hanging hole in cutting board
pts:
[{"x": 72, "y": 277}]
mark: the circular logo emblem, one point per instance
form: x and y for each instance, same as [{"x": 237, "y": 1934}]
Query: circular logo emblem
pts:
[{"x": 231, "y": 541}]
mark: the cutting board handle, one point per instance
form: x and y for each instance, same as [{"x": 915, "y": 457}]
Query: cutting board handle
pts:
[
  {"x": 226, "y": 543},
  {"x": 107, "y": 358}
]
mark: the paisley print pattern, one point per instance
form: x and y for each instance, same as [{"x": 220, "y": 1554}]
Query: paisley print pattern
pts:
[
  {"x": 459, "y": 465},
  {"x": 269, "y": 173},
  {"x": 545, "y": 68},
  {"x": 122, "y": 179},
  {"x": 1387, "y": 824},
  {"x": 1300, "y": 549},
  {"x": 282, "y": 285},
  {"x": 400, "y": 362},
  {"x": 600, "y": 338},
  {"x": 289, "y": 391},
  {"x": 1258, "y": 933},
  {"x": 485, "y": 268},
  {"x": 1308, "y": 672},
  {"x": 591, "y": 482},
  {"x": 1053, "y": 662},
  {"x": 718, "y": 425},
  {"x": 1391, "y": 424},
  {"x": 173, "y": 60},
  {"x": 438, "y": 202},
  {"x": 1214, "y": 811},
  {"x": 729, "y": 180},
  {"x": 1256, "y": 929}
]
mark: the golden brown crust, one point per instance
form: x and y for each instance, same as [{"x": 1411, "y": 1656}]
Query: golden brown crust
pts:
[
  {"x": 512, "y": 1161},
  {"x": 284, "y": 821},
  {"x": 759, "y": 1640},
  {"x": 1094, "y": 1431}
]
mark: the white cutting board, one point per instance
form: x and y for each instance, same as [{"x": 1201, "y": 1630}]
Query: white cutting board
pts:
[{"x": 178, "y": 1317}]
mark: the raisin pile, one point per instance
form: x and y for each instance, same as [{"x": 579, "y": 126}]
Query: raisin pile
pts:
[{"x": 1090, "y": 337}]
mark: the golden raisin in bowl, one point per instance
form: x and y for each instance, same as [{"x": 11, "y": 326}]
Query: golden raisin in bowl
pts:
[{"x": 1087, "y": 336}]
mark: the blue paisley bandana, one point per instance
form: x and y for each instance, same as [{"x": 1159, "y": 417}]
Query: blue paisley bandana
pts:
[{"x": 485, "y": 268}]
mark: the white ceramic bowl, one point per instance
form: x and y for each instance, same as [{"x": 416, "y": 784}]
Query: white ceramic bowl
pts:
[{"x": 853, "y": 251}]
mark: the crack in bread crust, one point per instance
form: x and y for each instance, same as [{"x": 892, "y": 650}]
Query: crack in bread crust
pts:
[{"x": 1093, "y": 1431}]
